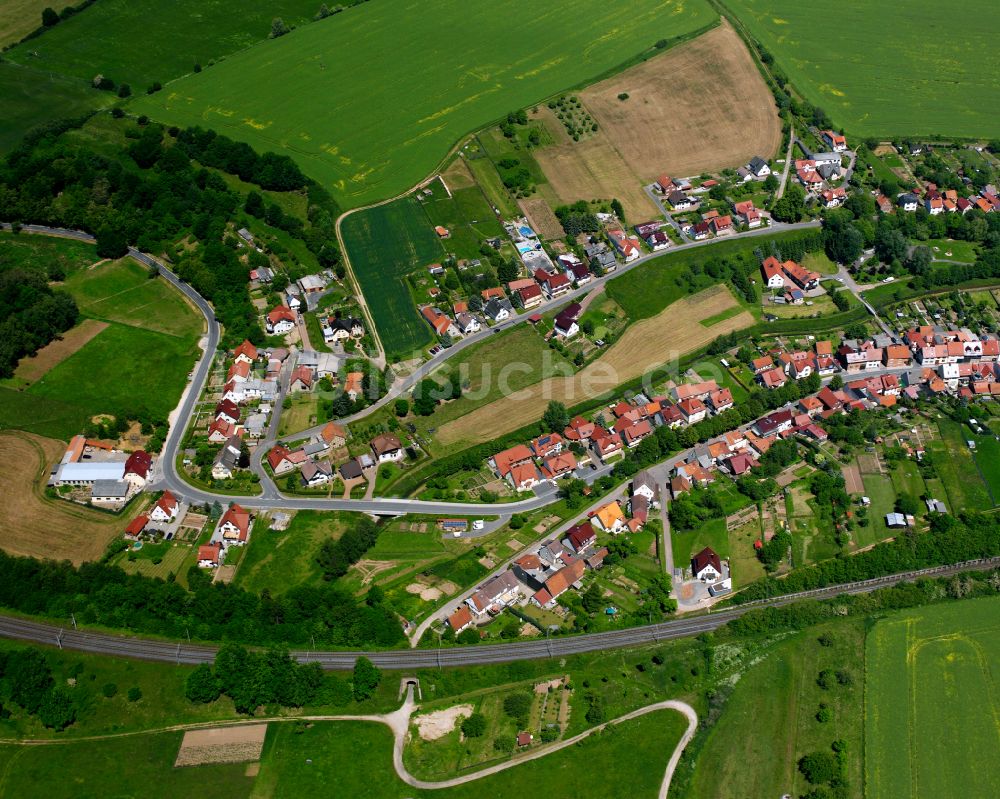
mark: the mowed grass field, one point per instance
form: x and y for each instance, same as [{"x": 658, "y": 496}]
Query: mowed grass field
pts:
[
  {"x": 370, "y": 133},
  {"x": 701, "y": 106},
  {"x": 385, "y": 244},
  {"x": 651, "y": 343},
  {"x": 19, "y": 18},
  {"x": 30, "y": 523},
  {"x": 916, "y": 68},
  {"x": 931, "y": 706},
  {"x": 140, "y": 358}
]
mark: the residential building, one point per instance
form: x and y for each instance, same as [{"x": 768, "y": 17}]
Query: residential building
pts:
[
  {"x": 494, "y": 595},
  {"x": 834, "y": 141},
  {"x": 441, "y": 324},
  {"x": 387, "y": 448},
  {"x": 706, "y": 566},
  {"x": 504, "y": 461},
  {"x": 610, "y": 518},
  {"x": 210, "y": 555},
  {"x": 758, "y": 167},
  {"x": 235, "y": 525},
  {"x": 165, "y": 509},
  {"x": 498, "y": 310},
  {"x": 280, "y": 320},
  {"x": 333, "y": 435},
  {"x": 580, "y": 536}
]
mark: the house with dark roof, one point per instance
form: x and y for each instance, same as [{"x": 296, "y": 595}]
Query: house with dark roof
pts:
[
  {"x": 706, "y": 566},
  {"x": 580, "y": 536}
]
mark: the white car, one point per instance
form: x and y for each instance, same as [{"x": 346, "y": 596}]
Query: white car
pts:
[{"x": 478, "y": 524}]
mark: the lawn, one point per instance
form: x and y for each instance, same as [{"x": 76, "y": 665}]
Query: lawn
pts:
[
  {"x": 880, "y": 490},
  {"x": 386, "y": 244},
  {"x": 122, "y": 291},
  {"x": 41, "y": 253},
  {"x": 919, "y": 663},
  {"x": 648, "y": 289},
  {"x": 373, "y": 133},
  {"x": 888, "y": 78},
  {"x": 354, "y": 758},
  {"x": 278, "y": 561},
  {"x": 689, "y": 542},
  {"x": 819, "y": 262},
  {"x": 769, "y": 721},
  {"x": 964, "y": 251}
]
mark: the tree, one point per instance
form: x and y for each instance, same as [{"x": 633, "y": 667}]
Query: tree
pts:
[
  {"x": 470, "y": 635},
  {"x": 425, "y": 397},
  {"x": 618, "y": 210},
  {"x": 366, "y": 679},
  {"x": 58, "y": 710},
  {"x": 592, "y": 598},
  {"x": 771, "y": 183},
  {"x": 819, "y": 767},
  {"x": 402, "y": 407},
  {"x": 595, "y": 709},
  {"x": 518, "y": 706},
  {"x": 124, "y": 90},
  {"x": 474, "y": 726},
  {"x": 49, "y": 17},
  {"x": 134, "y": 693},
  {"x": 111, "y": 243},
  {"x": 110, "y": 690},
  {"x": 791, "y": 207},
  {"x": 907, "y": 504},
  {"x": 278, "y": 27},
  {"x": 843, "y": 242},
  {"x": 556, "y": 417},
  {"x": 890, "y": 244},
  {"x": 202, "y": 685}
]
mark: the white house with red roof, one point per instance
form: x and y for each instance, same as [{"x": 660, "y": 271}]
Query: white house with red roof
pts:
[
  {"x": 210, "y": 555},
  {"x": 235, "y": 524},
  {"x": 245, "y": 353},
  {"x": 280, "y": 320},
  {"x": 834, "y": 141},
  {"x": 165, "y": 509},
  {"x": 137, "y": 468}
]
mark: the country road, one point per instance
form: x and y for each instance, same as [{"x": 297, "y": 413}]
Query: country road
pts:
[{"x": 406, "y": 659}]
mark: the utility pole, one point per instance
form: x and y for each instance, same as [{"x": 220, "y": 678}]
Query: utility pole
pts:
[{"x": 73, "y": 617}]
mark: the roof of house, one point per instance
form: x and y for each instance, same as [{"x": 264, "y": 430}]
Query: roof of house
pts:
[
  {"x": 437, "y": 320},
  {"x": 460, "y": 619},
  {"x": 332, "y": 431},
  {"x": 137, "y": 525},
  {"x": 558, "y": 465},
  {"x": 167, "y": 503},
  {"x": 139, "y": 463},
  {"x": 519, "y": 453},
  {"x": 386, "y": 442},
  {"x": 247, "y": 349},
  {"x": 211, "y": 552},
  {"x": 237, "y": 517},
  {"x": 564, "y": 578},
  {"x": 523, "y": 474},
  {"x": 281, "y": 313},
  {"x": 706, "y": 557},
  {"x": 277, "y": 454},
  {"x": 609, "y": 515},
  {"x": 580, "y": 535}
]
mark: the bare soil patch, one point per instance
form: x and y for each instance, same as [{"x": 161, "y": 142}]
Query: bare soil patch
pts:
[
  {"x": 852, "y": 478},
  {"x": 222, "y": 745},
  {"x": 542, "y": 219},
  {"x": 699, "y": 107},
  {"x": 370, "y": 568},
  {"x": 670, "y": 334},
  {"x": 432, "y": 726},
  {"x": 32, "y": 369},
  {"x": 32, "y": 524}
]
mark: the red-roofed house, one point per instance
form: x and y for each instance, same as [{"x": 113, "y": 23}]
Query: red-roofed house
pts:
[
  {"x": 558, "y": 466},
  {"x": 460, "y": 619},
  {"x": 442, "y": 325},
  {"x": 245, "y": 352},
  {"x": 502, "y": 462},
  {"x": 693, "y": 409},
  {"x": 165, "y": 508},
  {"x": 136, "y": 526},
  {"x": 209, "y": 555},
  {"x": 581, "y": 536},
  {"x": 579, "y": 430},
  {"x": 235, "y": 524},
  {"x": 834, "y": 141},
  {"x": 280, "y": 320},
  {"x": 301, "y": 380},
  {"x": 280, "y": 460},
  {"x": 606, "y": 444},
  {"x": 530, "y": 296},
  {"x": 137, "y": 468},
  {"x": 554, "y": 285}
]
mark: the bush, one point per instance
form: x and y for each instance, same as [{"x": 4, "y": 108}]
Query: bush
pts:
[
  {"x": 474, "y": 726},
  {"x": 58, "y": 710},
  {"x": 819, "y": 767},
  {"x": 202, "y": 685},
  {"x": 550, "y": 734},
  {"x": 366, "y": 678},
  {"x": 109, "y": 690},
  {"x": 134, "y": 693}
]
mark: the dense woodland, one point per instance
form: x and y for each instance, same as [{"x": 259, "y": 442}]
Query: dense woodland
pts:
[
  {"x": 31, "y": 315},
  {"x": 154, "y": 196}
]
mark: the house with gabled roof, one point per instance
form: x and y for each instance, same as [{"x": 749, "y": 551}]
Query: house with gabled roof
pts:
[
  {"x": 504, "y": 461},
  {"x": 559, "y": 465},
  {"x": 165, "y": 509},
  {"x": 279, "y": 320},
  {"x": 706, "y": 566},
  {"x": 580, "y": 536},
  {"x": 610, "y": 518},
  {"x": 579, "y": 430},
  {"x": 246, "y": 352},
  {"x": 235, "y": 525}
]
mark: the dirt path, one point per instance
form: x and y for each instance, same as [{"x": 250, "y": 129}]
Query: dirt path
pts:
[{"x": 399, "y": 722}]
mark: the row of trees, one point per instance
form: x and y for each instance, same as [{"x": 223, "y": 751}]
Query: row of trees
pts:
[
  {"x": 336, "y": 556},
  {"x": 97, "y": 593}
]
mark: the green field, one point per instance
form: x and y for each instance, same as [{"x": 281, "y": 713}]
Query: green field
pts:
[
  {"x": 468, "y": 216},
  {"x": 39, "y": 253},
  {"x": 32, "y": 97},
  {"x": 988, "y": 460},
  {"x": 123, "y": 292},
  {"x": 368, "y": 134},
  {"x": 769, "y": 721},
  {"x": 122, "y": 767},
  {"x": 930, "y": 702},
  {"x": 955, "y": 466},
  {"x": 277, "y": 561},
  {"x": 141, "y": 41},
  {"x": 120, "y": 369},
  {"x": 386, "y": 243},
  {"x": 912, "y": 68}
]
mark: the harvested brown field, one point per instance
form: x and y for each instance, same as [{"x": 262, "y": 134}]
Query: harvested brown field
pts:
[
  {"x": 652, "y": 342},
  {"x": 592, "y": 169},
  {"x": 545, "y": 223},
  {"x": 30, "y": 523},
  {"x": 31, "y": 369},
  {"x": 222, "y": 745},
  {"x": 698, "y": 108}
]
